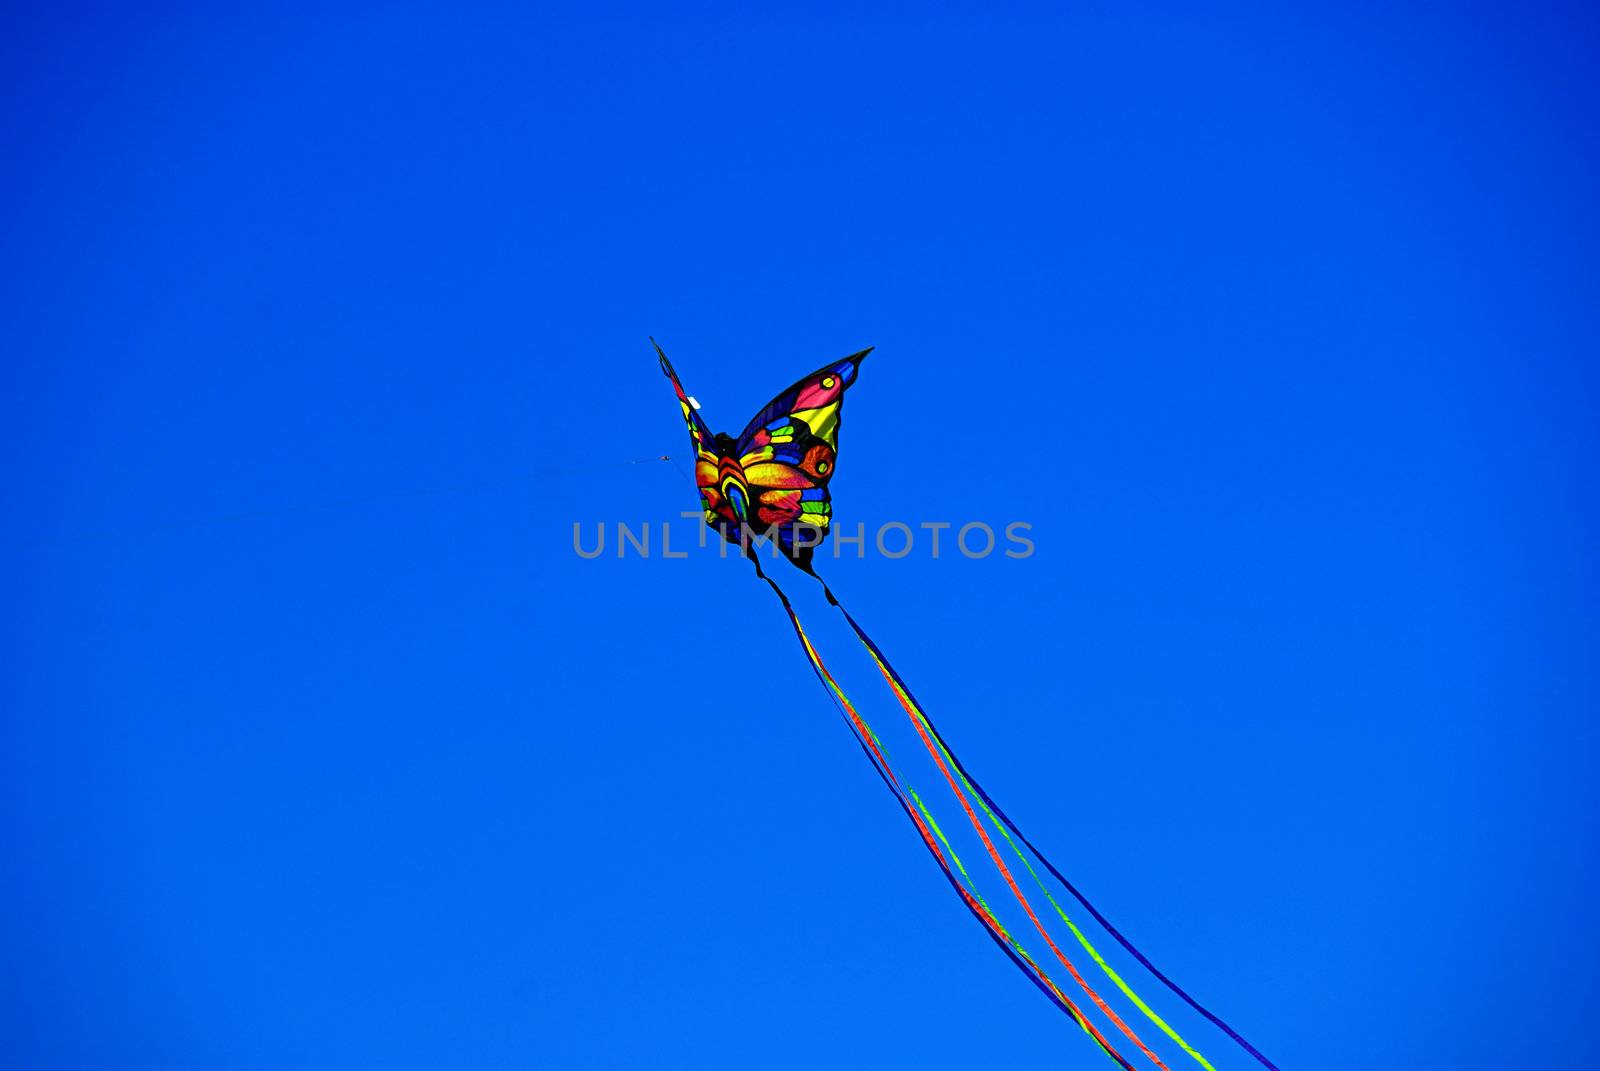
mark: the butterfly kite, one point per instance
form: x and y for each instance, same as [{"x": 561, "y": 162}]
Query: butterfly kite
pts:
[{"x": 772, "y": 482}]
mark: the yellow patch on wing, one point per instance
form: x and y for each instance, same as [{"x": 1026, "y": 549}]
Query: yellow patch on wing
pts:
[{"x": 823, "y": 421}]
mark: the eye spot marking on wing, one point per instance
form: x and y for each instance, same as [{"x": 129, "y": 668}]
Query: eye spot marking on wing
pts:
[{"x": 818, "y": 461}]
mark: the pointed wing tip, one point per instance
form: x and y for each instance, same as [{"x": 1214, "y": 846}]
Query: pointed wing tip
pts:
[
  {"x": 661, "y": 355},
  {"x": 856, "y": 358}
]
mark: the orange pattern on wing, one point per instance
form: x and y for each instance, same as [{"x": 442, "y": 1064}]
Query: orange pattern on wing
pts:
[{"x": 773, "y": 474}]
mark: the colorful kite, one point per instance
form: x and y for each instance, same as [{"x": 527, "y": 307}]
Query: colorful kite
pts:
[{"x": 772, "y": 482}]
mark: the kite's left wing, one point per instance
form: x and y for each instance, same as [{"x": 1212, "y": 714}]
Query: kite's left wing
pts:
[{"x": 705, "y": 450}]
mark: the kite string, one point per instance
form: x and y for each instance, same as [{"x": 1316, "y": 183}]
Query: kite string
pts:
[
  {"x": 972, "y": 818},
  {"x": 549, "y": 472},
  {"x": 920, "y": 721},
  {"x": 1088, "y": 947},
  {"x": 870, "y": 744},
  {"x": 900, "y": 687}
]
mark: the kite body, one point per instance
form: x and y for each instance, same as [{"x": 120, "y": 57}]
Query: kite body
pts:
[{"x": 773, "y": 479}]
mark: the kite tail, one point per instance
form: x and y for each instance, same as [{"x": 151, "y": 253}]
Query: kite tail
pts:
[
  {"x": 932, "y": 836},
  {"x": 903, "y": 690}
]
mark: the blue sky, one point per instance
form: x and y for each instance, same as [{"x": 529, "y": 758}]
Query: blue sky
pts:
[{"x": 322, "y": 749}]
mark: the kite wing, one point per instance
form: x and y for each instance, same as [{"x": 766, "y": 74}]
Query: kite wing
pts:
[
  {"x": 788, "y": 452},
  {"x": 705, "y": 450}
]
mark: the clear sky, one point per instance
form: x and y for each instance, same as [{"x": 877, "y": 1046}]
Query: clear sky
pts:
[{"x": 323, "y": 750}]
